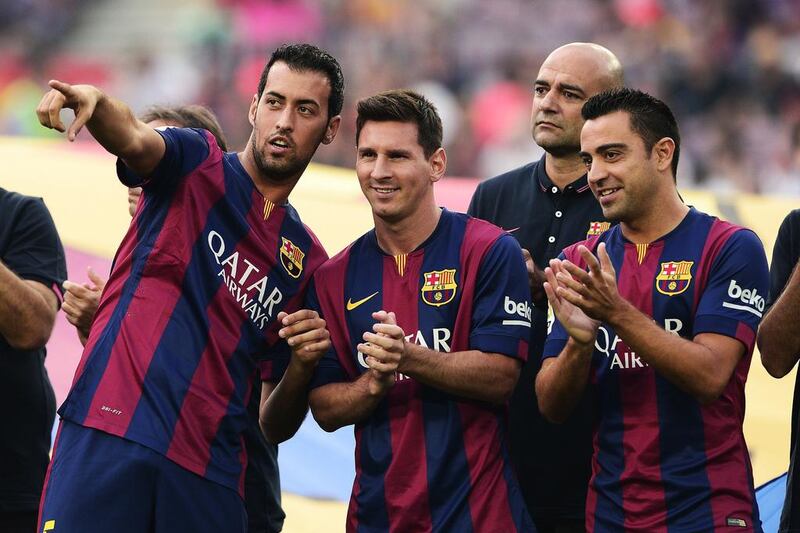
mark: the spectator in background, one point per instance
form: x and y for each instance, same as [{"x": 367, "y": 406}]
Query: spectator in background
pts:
[
  {"x": 262, "y": 490},
  {"x": 547, "y": 205},
  {"x": 32, "y": 267},
  {"x": 779, "y": 344}
]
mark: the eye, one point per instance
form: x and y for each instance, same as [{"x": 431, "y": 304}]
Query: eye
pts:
[
  {"x": 272, "y": 102},
  {"x": 571, "y": 96},
  {"x": 540, "y": 91},
  {"x": 305, "y": 110},
  {"x": 587, "y": 162},
  {"x": 611, "y": 155}
]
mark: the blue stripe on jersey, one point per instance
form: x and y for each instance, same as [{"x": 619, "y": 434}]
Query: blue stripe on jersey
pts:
[
  {"x": 757, "y": 525},
  {"x": 150, "y": 223},
  {"x": 609, "y": 432},
  {"x": 240, "y": 367},
  {"x": 448, "y": 471},
  {"x": 181, "y": 346},
  {"x": 519, "y": 512},
  {"x": 361, "y": 280},
  {"x": 687, "y": 491}
]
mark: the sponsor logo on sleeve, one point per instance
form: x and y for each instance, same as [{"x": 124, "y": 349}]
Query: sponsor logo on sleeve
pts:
[
  {"x": 291, "y": 258},
  {"x": 674, "y": 277},
  {"x": 439, "y": 287},
  {"x": 745, "y": 299},
  {"x": 521, "y": 311}
]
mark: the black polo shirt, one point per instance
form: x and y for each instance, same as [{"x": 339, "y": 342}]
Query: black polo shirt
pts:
[
  {"x": 552, "y": 461},
  {"x": 785, "y": 256},
  {"x": 29, "y": 247}
]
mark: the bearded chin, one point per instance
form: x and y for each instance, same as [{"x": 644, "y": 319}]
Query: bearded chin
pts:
[{"x": 276, "y": 172}]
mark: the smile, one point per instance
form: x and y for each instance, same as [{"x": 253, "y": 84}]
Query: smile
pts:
[{"x": 608, "y": 192}]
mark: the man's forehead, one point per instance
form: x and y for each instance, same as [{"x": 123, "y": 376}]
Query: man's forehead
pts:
[
  {"x": 281, "y": 78},
  {"x": 389, "y": 135},
  {"x": 613, "y": 128}
]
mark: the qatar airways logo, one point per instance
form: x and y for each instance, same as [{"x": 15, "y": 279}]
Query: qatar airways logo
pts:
[
  {"x": 608, "y": 344},
  {"x": 251, "y": 290}
]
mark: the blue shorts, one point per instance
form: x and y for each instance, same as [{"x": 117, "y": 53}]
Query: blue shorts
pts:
[{"x": 98, "y": 483}]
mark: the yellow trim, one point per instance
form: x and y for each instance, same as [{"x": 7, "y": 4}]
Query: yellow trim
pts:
[
  {"x": 401, "y": 260},
  {"x": 50, "y": 525},
  {"x": 268, "y": 207},
  {"x": 641, "y": 251}
]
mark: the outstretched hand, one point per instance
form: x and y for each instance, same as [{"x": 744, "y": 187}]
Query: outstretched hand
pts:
[{"x": 80, "y": 98}]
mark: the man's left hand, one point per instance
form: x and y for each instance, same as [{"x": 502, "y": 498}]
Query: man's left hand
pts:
[{"x": 594, "y": 292}]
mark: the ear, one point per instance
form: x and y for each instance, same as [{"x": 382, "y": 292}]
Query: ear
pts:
[
  {"x": 663, "y": 151},
  {"x": 438, "y": 163},
  {"x": 251, "y": 114},
  {"x": 330, "y": 131}
]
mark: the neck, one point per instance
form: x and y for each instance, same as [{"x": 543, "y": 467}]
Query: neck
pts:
[
  {"x": 661, "y": 216},
  {"x": 405, "y": 236},
  {"x": 276, "y": 192},
  {"x": 564, "y": 170}
]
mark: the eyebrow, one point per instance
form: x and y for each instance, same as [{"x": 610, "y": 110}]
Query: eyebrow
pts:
[
  {"x": 305, "y": 101},
  {"x": 604, "y": 148},
  {"x": 562, "y": 86}
]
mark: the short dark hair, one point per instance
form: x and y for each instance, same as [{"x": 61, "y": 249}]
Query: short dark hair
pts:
[
  {"x": 650, "y": 118},
  {"x": 403, "y": 106},
  {"x": 187, "y": 116},
  {"x": 301, "y": 57}
]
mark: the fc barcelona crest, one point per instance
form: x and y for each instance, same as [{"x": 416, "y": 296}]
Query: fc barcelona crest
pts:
[
  {"x": 596, "y": 228},
  {"x": 292, "y": 258},
  {"x": 675, "y": 277},
  {"x": 439, "y": 287}
]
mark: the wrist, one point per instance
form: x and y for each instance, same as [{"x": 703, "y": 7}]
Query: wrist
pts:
[{"x": 620, "y": 314}]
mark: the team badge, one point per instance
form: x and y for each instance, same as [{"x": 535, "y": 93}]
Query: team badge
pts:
[
  {"x": 439, "y": 287},
  {"x": 292, "y": 258},
  {"x": 675, "y": 277},
  {"x": 596, "y": 228}
]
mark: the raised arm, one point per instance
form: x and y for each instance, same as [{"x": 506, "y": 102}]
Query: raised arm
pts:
[{"x": 109, "y": 121}]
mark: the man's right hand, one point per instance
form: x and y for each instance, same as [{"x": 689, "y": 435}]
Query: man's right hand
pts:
[
  {"x": 383, "y": 350},
  {"x": 80, "y": 98},
  {"x": 577, "y": 324},
  {"x": 81, "y": 302},
  {"x": 536, "y": 278}
]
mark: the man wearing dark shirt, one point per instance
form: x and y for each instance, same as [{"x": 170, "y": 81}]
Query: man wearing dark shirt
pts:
[
  {"x": 32, "y": 268},
  {"x": 779, "y": 344},
  {"x": 547, "y": 205}
]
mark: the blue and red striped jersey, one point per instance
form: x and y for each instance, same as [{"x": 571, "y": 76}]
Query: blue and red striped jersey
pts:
[
  {"x": 662, "y": 460},
  {"x": 190, "y": 307},
  {"x": 427, "y": 460}
]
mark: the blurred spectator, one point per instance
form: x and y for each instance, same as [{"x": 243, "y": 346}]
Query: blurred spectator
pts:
[{"x": 730, "y": 69}]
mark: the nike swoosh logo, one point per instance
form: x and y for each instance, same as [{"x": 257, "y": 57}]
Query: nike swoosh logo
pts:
[{"x": 352, "y": 305}]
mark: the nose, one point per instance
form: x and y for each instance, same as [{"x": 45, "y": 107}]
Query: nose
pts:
[
  {"x": 285, "y": 120},
  {"x": 548, "y": 101},
  {"x": 381, "y": 168},
  {"x": 597, "y": 172}
]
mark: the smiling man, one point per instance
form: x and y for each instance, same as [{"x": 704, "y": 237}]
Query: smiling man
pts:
[
  {"x": 429, "y": 316},
  {"x": 151, "y": 438},
  {"x": 659, "y": 315}
]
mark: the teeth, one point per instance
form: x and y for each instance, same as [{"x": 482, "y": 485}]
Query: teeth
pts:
[
  {"x": 607, "y": 192},
  {"x": 280, "y": 143},
  {"x": 386, "y": 191}
]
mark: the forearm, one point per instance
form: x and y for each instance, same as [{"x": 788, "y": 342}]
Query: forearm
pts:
[
  {"x": 282, "y": 413},
  {"x": 26, "y": 317},
  {"x": 471, "y": 374},
  {"x": 562, "y": 380},
  {"x": 341, "y": 404},
  {"x": 778, "y": 334},
  {"x": 115, "y": 127},
  {"x": 687, "y": 364}
]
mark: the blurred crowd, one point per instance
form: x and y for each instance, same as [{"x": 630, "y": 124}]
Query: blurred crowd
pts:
[{"x": 729, "y": 68}]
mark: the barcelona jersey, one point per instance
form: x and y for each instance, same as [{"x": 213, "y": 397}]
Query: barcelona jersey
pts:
[
  {"x": 189, "y": 309},
  {"x": 427, "y": 460},
  {"x": 662, "y": 460}
]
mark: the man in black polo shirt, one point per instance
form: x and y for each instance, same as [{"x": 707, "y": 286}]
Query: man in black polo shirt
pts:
[
  {"x": 547, "y": 205},
  {"x": 32, "y": 267},
  {"x": 779, "y": 344}
]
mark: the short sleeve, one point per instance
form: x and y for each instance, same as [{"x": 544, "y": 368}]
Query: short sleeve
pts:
[
  {"x": 474, "y": 209},
  {"x": 328, "y": 370},
  {"x": 734, "y": 298},
  {"x": 784, "y": 256},
  {"x": 501, "y": 316},
  {"x": 186, "y": 149},
  {"x": 34, "y": 250}
]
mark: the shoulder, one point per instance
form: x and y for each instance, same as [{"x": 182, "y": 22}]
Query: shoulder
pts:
[
  {"x": 508, "y": 180},
  {"x": 14, "y": 205},
  {"x": 337, "y": 265},
  {"x": 477, "y": 231}
]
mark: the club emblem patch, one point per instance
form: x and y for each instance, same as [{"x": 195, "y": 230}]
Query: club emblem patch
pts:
[
  {"x": 439, "y": 287},
  {"x": 596, "y": 228},
  {"x": 675, "y": 277},
  {"x": 292, "y": 258}
]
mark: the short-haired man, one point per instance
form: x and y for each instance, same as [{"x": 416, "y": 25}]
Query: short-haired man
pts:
[
  {"x": 547, "y": 205},
  {"x": 429, "y": 316},
  {"x": 659, "y": 315},
  {"x": 32, "y": 267},
  {"x": 779, "y": 345},
  {"x": 262, "y": 484},
  {"x": 151, "y": 433}
]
